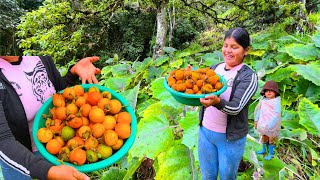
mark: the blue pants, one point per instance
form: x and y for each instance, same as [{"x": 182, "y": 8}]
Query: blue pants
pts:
[
  {"x": 11, "y": 173},
  {"x": 218, "y": 155}
]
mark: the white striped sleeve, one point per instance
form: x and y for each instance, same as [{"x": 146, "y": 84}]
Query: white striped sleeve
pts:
[{"x": 248, "y": 93}]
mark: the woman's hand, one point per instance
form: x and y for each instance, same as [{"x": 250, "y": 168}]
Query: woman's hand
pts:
[
  {"x": 86, "y": 70},
  {"x": 210, "y": 100},
  {"x": 65, "y": 172}
]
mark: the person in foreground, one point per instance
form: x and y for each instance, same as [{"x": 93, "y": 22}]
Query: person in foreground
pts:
[
  {"x": 224, "y": 119},
  {"x": 26, "y": 82},
  {"x": 267, "y": 118}
]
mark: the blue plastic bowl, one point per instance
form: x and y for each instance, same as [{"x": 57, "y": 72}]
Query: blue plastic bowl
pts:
[
  {"x": 39, "y": 122},
  {"x": 193, "y": 99}
]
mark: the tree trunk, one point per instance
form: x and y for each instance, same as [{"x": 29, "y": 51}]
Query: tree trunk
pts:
[{"x": 161, "y": 30}]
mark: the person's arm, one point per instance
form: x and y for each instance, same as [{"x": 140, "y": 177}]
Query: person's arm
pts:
[
  {"x": 18, "y": 156},
  {"x": 243, "y": 93},
  {"x": 83, "y": 69}
]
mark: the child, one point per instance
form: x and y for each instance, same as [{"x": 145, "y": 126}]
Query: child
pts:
[{"x": 268, "y": 118}]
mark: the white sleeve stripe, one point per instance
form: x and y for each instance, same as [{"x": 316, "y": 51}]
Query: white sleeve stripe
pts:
[
  {"x": 14, "y": 164},
  {"x": 245, "y": 98}
]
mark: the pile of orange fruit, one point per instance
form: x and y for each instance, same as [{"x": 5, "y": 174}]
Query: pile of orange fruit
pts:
[
  {"x": 200, "y": 81},
  {"x": 84, "y": 127}
]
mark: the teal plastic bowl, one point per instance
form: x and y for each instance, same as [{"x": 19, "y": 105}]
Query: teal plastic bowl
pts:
[
  {"x": 39, "y": 122},
  {"x": 193, "y": 99}
]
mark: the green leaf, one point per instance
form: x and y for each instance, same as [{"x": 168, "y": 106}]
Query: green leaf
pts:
[
  {"x": 132, "y": 95},
  {"x": 120, "y": 70},
  {"x": 212, "y": 58},
  {"x": 316, "y": 39},
  {"x": 280, "y": 74},
  {"x": 177, "y": 162},
  {"x": 144, "y": 105},
  {"x": 252, "y": 145},
  {"x": 176, "y": 64},
  {"x": 190, "y": 126},
  {"x": 160, "y": 60},
  {"x": 258, "y": 53},
  {"x": 309, "y": 116},
  {"x": 153, "y": 135},
  {"x": 302, "y": 52},
  {"x": 113, "y": 173},
  {"x": 310, "y": 72},
  {"x": 169, "y": 50},
  {"x": 116, "y": 83}
]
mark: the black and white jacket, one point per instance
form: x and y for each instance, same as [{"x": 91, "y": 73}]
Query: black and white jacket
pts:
[
  {"x": 244, "y": 87},
  {"x": 15, "y": 143}
]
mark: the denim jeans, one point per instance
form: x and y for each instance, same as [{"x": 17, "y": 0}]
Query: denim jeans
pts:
[
  {"x": 9, "y": 173},
  {"x": 218, "y": 155}
]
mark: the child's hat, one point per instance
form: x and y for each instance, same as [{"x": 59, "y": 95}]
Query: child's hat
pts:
[{"x": 270, "y": 85}]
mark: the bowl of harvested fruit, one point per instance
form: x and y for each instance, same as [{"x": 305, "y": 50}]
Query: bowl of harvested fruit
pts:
[
  {"x": 89, "y": 127},
  {"x": 187, "y": 86}
]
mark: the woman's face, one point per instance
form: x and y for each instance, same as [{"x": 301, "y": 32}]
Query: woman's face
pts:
[{"x": 233, "y": 53}]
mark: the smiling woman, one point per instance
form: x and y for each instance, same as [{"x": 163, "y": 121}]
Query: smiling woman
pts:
[{"x": 224, "y": 119}]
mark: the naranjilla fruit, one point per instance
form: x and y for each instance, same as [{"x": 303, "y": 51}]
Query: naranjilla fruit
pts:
[{"x": 86, "y": 127}]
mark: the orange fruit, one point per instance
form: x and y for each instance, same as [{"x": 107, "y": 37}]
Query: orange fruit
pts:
[
  {"x": 115, "y": 106},
  {"x": 98, "y": 130},
  {"x": 44, "y": 135},
  {"x": 53, "y": 146},
  {"x": 93, "y": 89},
  {"x": 110, "y": 137},
  {"x": 103, "y": 103},
  {"x": 123, "y": 117},
  {"x": 75, "y": 122},
  {"x": 61, "y": 113},
  {"x": 85, "y": 109},
  {"x": 63, "y": 154},
  {"x": 109, "y": 122},
  {"x": 69, "y": 93},
  {"x": 94, "y": 97},
  {"x": 118, "y": 144},
  {"x": 75, "y": 142},
  {"x": 78, "y": 89},
  {"x": 106, "y": 94},
  {"x": 84, "y": 132},
  {"x": 80, "y": 101},
  {"x": 71, "y": 109},
  {"x": 55, "y": 125},
  {"x": 60, "y": 140},
  {"x": 91, "y": 143},
  {"x": 123, "y": 130},
  {"x": 78, "y": 156},
  {"x": 58, "y": 100},
  {"x": 96, "y": 115}
]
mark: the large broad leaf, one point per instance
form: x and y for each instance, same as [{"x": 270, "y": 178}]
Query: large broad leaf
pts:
[
  {"x": 280, "y": 74},
  {"x": 309, "y": 116},
  {"x": 144, "y": 105},
  {"x": 212, "y": 58},
  {"x": 154, "y": 134},
  {"x": 177, "y": 162},
  {"x": 153, "y": 72},
  {"x": 141, "y": 66},
  {"x": 290, "y": 119},
  {"x": 159, "y": 92},
  {"x": 316, "y": 39},
  {"x": 177, "y": 63},
  {"x": 190, "y": 126},
  {"x": 252, "y": 145},
  {"x": 310, "y": 72},
  {"x": 258, "y": 53},
  {"x": 116, "y": 83},
  {"x": 160, "y": 60},
  {"x": 132, "y": 95},
  {"x": 302, "y": 51},
  {"x": 113, "y": 173},
  {"x": 120, "y": 70}
]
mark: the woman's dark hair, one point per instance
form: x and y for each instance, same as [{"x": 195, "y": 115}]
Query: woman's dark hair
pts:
[{"x": 240, "y": 35}]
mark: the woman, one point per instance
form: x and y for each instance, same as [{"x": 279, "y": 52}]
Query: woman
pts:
[
  {"x": 26, "y": 82},
  {"x": 224, "y": 119}
]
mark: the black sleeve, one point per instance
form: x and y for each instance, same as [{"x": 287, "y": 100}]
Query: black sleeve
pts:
[
  {"x": 18, "y": 156},
  {"x": 54, "y": 75}
]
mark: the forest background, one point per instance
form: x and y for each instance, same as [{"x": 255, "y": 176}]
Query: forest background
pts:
[{"x": 140, "y": 42}]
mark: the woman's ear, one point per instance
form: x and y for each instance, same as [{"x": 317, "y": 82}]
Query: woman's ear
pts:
[{"x": 246, "y": 51}]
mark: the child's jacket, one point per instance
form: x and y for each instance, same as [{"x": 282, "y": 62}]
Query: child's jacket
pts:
[{"x": 268, "y": 115}]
